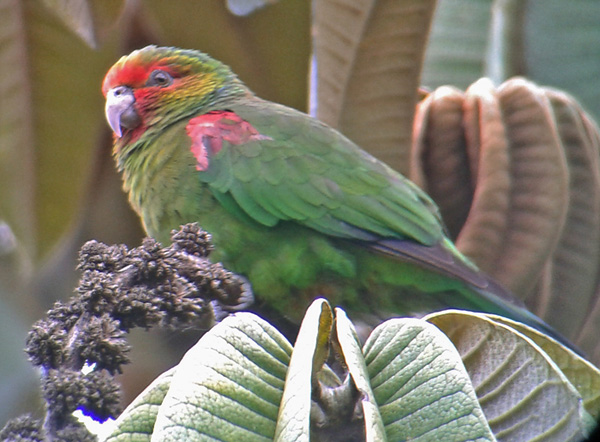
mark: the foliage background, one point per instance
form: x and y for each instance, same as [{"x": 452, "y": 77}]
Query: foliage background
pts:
[{"x": 58, "y": 187}]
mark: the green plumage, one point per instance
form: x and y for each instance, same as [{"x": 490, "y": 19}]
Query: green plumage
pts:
[{"x": 291, "y": 203}]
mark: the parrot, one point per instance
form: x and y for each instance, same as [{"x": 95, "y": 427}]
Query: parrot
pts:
[{"x": 291, "y": 204}]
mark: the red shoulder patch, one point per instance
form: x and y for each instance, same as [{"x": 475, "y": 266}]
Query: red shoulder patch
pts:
[{"x": 208, "y": 131}]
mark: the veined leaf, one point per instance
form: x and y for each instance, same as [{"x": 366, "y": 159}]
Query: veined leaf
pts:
[
  {"x": 514, "y": 379},
  {"x": 584, "y": 376},
  {"x": 228, "y": 386},
  {"x": 136, "y": 423},
  {"x": 421, "y": 386}
]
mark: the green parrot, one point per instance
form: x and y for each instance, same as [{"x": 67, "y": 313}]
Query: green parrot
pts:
[{"x": 291, "y": 203}]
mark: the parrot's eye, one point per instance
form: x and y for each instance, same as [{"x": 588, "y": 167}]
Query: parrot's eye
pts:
[{"x": 159, "y": 78}]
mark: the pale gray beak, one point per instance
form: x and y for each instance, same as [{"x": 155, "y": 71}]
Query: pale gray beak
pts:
[{"x": 120, "y": 110}]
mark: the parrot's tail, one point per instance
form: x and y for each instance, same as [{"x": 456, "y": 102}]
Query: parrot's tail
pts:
[{"x": 491, "y": 297}]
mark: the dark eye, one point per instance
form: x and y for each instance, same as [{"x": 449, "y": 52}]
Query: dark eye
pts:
[{"x": 159, "y": 78}]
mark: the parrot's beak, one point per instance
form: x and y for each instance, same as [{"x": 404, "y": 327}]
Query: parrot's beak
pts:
[{"x": 120, "y": 110}]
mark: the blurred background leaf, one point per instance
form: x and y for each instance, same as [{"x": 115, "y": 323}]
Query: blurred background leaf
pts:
[
  {"x": 551, "y": 42},
  {"x": 367, "y": 58}
]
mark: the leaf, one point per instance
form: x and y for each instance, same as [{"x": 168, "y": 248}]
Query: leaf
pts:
[
  {"x": 584, "y": 376},
  {"x": 507, "y": 153},
  {"x": 355, "y": 361},
  {"x": 456, "y": 51},
  {"x": 17, "y": 158},
  {"x": 367, "y": 58},
  {"x": 528, "y": 158},
  {"x": 310, "y": 351},
  {"x": 420, "y": 384},
  {"x": 539, "y": 189},
  {"x": 514, "y": 379},
  {"x": 136, "y": 423},
  {"x": 87, "y": 18},
  {"x": 575, "y": 265},
  {"x": 486, "y": 227},
  {"x": 76, "y": 15},
  {"x": 522, "y": 182},
  {"x": 228, "y": 386},
  {"x": 63, "y": 77},
  {"x": 567, "y": 60},
  {"x": 503, "y": 38},
  {"x": 439, "y": 161}
]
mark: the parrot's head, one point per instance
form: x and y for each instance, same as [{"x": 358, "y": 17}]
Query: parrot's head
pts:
[{"x": 156, "y": 86}]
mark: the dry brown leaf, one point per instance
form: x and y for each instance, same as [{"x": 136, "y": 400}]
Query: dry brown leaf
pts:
[
  {"x": 487, "y": 147},
  {"x": 576, "y": 262},
  {"x": 532, "y": 156},
  {"x": 439, "y": 151},
  {"x": 539, "y": 186},
  {"x": 365, "y": 88}
]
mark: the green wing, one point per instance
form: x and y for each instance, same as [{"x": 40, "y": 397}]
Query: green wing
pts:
[
  {"x": 298, "y": 169},
  {"x": 294, "y": 168}
]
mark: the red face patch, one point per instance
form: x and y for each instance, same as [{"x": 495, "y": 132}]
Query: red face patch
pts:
[
  {"x": 133, "y": 75},
  {"x": 209, "y": 130}
]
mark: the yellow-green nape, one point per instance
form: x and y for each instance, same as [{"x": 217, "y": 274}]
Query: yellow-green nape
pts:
[{"x": 192, "y": 61}]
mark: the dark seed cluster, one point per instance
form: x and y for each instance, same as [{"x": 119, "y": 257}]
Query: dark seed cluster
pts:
[{"x": 120, "y": 289}]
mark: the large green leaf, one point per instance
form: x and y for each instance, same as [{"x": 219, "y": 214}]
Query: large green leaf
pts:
[
  {"x": 228, "y": 386},
  {"x": 17, "y": 157},
  {"x": 421, "y": 386},
  {"x": 310, "y": 352},
  {"x": 357, "y": 369},
  {"x": 411, "y": 384},
  {"x": 136, "y": 423}
]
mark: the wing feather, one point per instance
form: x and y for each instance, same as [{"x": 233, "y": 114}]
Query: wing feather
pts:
[{"x": 288, "y": 167}]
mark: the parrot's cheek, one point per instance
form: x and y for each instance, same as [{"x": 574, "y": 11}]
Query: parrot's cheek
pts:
[{"x": 130, "y": 119}]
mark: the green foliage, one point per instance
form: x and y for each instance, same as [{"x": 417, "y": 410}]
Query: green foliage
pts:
[
  {"x": 476, "y": 379},
  {"x": 453, "y": 374}
]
